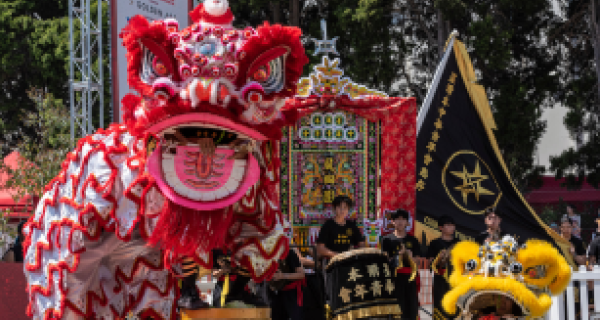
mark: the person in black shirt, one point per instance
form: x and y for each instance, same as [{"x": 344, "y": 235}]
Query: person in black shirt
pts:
[
  {"x": 313, "y": 300},
  {"x": 238, "y": 281},
  {"x": 286, "y": 301},
  {"x": 593, "y": 251},
  {"x": 15, "y": 252},
  {"x": 338, "y": 234},
  {"x": 400, "y": 248},
  {"x": 493, "y": 219},
  {"x": 439, "y": 253},
  {"x": 577, "y": 250}
]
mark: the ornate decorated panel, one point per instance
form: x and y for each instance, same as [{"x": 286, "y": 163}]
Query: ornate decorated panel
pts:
[
  {"x": 328, "y": 154},
  {"x": 335, "y": 149}
]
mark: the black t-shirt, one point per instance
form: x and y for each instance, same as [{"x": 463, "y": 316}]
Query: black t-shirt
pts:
[
  {"x": 290, "y": 263},
  {"x": 392, "y": 244},
  {"x": 578, "y": 244},
  {"x": 437, "y": 245},
  {"x": 484, "y": 235},
  {"x": 594, "y": 249},
  {"x": 339, "y": 238}
]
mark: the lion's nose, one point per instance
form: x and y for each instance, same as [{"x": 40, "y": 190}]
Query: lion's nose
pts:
[{"x": 210, "y": 91}]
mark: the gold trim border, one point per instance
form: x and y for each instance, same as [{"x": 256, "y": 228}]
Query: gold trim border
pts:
[
  {"x": 352, "y": 253},
  {"x": 375, "y": 311},
  {"x": 482, "y": 105}
]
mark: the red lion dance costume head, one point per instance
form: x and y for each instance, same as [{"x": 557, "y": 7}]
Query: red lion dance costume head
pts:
[{"x": 193, "y": 167}]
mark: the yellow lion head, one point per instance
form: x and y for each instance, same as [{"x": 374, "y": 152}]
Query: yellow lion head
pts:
[{"x": 526, "y": 274}]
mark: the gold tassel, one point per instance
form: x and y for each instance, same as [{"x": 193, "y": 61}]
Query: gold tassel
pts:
[{"x": 225, "y": 290}]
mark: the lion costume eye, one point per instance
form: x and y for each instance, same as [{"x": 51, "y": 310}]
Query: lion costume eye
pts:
[
  {"x": 261, "y": 74},
  {"x": 270, "y": 75},
  {"x": 152, "y": 68}
]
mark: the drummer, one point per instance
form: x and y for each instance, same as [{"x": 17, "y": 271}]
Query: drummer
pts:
[
  {"x": 338, "y": 235},
  {"x": 237, "y": 284},
  {"x": 286, "y": 302},
  {"x": 438, "y": 251},
  {"x": 401, "y": 246},
  {"x": 312, "y": 304}
]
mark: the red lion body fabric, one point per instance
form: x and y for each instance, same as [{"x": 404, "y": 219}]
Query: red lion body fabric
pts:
[{"x": 194, "y": 166}]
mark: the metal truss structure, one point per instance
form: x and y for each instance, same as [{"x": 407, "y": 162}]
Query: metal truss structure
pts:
[{"x": 86, "y": 84}]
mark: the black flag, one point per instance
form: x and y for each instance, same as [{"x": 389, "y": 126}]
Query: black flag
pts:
[{"x": 460, "y": 170}]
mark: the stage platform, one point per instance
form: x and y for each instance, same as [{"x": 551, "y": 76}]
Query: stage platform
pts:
[{"x": 227, "y": 313}]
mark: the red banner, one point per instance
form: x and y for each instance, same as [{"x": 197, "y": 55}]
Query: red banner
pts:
[{"x": 398, "y": 158}]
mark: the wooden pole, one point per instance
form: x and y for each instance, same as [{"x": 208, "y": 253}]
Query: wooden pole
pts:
[{"x": 294, "y": 13}]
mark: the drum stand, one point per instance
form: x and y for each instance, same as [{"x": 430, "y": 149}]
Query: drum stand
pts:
[
  {"x": 207, "y": 285},
  {"x": 227, "y": 313}
]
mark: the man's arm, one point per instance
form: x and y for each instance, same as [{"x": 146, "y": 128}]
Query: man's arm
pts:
[
  {"x": 592, "y": 253},
  {"x": 322, "y": 251},
  {"x": 298, "y": 275},
  {"x": 304, "y": 261},
  {"x": 358, "y": 237},
  {"x": 415, "y": 259},
  {"x": 578, "y": 253},
  {"x": 580, "y": 260}
]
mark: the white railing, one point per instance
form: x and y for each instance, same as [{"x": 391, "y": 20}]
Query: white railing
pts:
[{"x": 558, "y": 310}]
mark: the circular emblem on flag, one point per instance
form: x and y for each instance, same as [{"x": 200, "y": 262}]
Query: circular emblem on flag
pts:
[{"x": 470, "y": 183}]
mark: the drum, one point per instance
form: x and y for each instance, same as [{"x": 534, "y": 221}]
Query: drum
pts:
[{"x": 361, "y": 284}]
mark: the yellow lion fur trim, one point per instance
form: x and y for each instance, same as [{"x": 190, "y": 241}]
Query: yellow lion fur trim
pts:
[
  {"x": 558, "y": 272},
  {"x": 537, "y": 306}
]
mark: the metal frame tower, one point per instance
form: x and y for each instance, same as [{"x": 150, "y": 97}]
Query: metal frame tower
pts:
[{"x": 86, "y": 82}]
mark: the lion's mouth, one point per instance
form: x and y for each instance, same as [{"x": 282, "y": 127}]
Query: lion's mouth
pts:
[
  {"x": 201, "y": 178},
  {"x": 498, "y": 303}
]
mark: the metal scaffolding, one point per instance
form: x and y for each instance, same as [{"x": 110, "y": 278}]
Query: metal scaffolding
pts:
[{"x": 86, "y": 72}]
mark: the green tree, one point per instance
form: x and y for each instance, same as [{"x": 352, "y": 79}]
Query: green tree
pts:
[
  {"x": 43, "y": 153},
  {"x": 34, "y": 52},
  {"x": 370, "y": 49},
  {"x": 578, "y": 34},
  {"x": 508, "y": 44}
]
